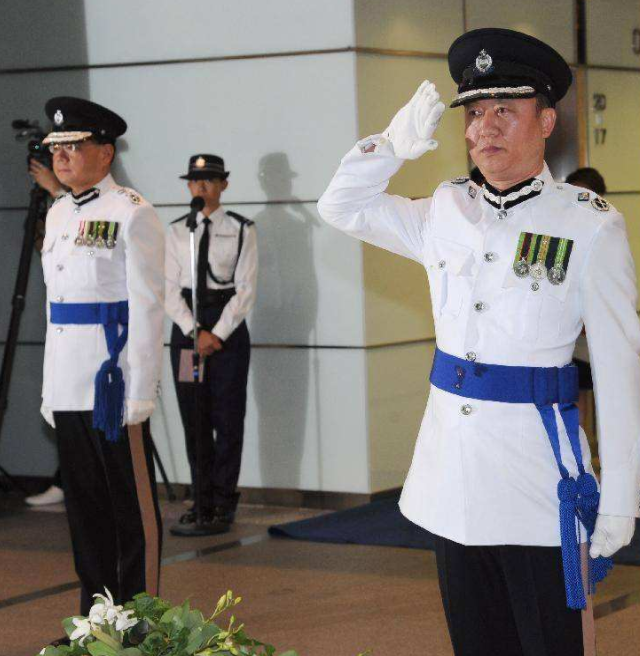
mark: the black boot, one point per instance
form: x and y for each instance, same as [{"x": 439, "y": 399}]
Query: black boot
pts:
[{"x": 209, "y": 524}]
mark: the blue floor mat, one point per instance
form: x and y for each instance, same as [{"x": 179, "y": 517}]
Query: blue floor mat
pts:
[{"x": 380, "y": 523}]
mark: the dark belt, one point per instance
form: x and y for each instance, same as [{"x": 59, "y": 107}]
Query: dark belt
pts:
[{"x": 210, "y": 297}]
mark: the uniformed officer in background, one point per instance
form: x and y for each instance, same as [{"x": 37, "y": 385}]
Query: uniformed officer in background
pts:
[
  {"x": 227, "y": 266},
  {"x": 501, "y": 472},
  {"x": 103, "y": 261}
]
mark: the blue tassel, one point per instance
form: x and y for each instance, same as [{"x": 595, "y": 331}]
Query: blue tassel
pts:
[
  {"x": 108, "y": 410},
  {"x": 568, "y": 495},
  {"x": 587, "y": 506}
]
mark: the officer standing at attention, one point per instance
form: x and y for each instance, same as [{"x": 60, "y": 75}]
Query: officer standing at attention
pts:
[
  {"x": 501, "y": 472},
  {"x": 103, "y": 262},
  {"x": 227, "y": 266}
]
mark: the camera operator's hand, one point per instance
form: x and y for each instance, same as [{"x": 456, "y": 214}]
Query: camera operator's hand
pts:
[
  {"x": 44, "y": 177},
  {"x": 412, "y": 127}
]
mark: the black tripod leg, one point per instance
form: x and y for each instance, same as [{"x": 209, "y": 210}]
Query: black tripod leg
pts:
[{"x": 171, "y": 495}]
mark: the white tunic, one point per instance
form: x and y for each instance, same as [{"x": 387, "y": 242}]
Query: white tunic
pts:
[
  {"x": 133, "y": 271},
  {"x": 224, "y": 233},
  {"x": 490, "y": 477}
]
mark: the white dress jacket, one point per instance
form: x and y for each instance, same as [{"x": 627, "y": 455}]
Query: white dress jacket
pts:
[
  {"x": 133, "y": 270},
  {"x": 489, "y": 477}
]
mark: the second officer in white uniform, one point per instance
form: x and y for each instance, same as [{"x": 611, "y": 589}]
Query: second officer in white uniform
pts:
[
  {"x": 227, "y": 267},
  {"x": 501, "y": 471},
  {"x": 103, "y": 261}
]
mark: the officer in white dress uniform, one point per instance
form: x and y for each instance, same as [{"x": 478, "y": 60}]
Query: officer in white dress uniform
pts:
[
  {"x": 103, "y": 261},
  {"x": 227, "y": 267},
  {"x": 501, "y": 471}
]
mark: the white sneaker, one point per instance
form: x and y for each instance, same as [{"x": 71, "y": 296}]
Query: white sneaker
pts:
[{"x": 53, "y": 495}]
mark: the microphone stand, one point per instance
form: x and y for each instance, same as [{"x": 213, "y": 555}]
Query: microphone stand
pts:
[{"x": 197, "y": 423}]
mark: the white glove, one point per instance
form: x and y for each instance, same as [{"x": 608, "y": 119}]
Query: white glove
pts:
[
  {"x": 611, "y": 534},
  {"x": 413, "y": 126},
  {"x": 47, "y": 413},
  {"x": 135, "y": 412}
]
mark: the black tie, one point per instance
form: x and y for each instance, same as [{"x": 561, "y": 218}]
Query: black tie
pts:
[{"x": 203, "y": 258}]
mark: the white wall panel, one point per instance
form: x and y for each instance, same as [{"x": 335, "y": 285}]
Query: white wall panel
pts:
[
  {"x": 309, "y": 277},
  {"x": 613, "y": 32},
  {"x": 424, "y": 25},
  {"x": 149, "y": 30},
  {"x": 301, "y": 110},
  {"x": 549, "y": 20},
  {"x": 398, "y": 383},
  {"x": 305, "y": 426}
]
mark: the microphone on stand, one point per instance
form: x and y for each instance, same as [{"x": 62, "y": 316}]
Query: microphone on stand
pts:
[{"x": 197, "y": 204}]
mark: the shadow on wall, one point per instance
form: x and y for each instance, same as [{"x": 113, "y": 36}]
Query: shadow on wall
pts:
[{"x": 285, "y": 314}]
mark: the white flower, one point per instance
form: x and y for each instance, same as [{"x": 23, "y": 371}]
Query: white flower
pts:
[
  {"x": 83, "y": 629},
  {"x": 104, "y": 610},
  {"x": 124, "y": 620}
]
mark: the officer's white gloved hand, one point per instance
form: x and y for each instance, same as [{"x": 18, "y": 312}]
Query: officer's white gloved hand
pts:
[
  {"x": 611, "y": 534},
  {"x": 47, "y": 413},
  {"x": 135, "y": 412},
  {"x": 413, "y": 126}
]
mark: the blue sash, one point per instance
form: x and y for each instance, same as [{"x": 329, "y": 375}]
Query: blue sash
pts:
[
  {"x": 108, "y": 409},
  {"x": 544, "y": 387}
]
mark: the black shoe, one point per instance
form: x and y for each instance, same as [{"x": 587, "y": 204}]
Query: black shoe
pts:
[
  {"x": 224, "y": 515},
  {"x": 60, "y": 642},
  {"x": 210, "y": 524}
]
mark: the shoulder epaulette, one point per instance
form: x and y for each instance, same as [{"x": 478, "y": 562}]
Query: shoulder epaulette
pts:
[
  {"x": 241, "y": 219},
  {"x": 180, "y": 218},
  {"x": 132, "y": 195}
]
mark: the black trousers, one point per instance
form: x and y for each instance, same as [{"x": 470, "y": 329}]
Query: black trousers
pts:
[
  {"x": 105, "y": 516},
  {"x": 507, "y": 601},
  {"x": 223, "y": 404}
]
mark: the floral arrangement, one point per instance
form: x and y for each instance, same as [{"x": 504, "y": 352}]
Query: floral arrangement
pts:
[{"x": 150, "y": 626}]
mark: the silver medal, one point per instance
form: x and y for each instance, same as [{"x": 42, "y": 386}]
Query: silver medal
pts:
[
  {"x": 521, "y": 269},
  {"x": 556, "y": 275},
  {"x": 111, "y": 243},
  {"x": 538, "y": 271}
]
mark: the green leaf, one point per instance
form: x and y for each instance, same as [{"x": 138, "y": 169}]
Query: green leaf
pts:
[
  {"x": 130, "y": 651},
  {"x": 98, "y": 648}
]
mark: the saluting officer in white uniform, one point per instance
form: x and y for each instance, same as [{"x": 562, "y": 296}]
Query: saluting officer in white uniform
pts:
[
  {"x": 103, "y": 261},
  {"x": 501, "y": 471},
  {"x": 227, "y": 268}
]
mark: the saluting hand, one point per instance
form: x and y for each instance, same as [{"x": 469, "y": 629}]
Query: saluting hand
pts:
[
  {"x": 208, "y": 343},
  {"x": 413, "y": 126}
]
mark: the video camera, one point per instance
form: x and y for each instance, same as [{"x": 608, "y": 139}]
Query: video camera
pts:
[{"x": 31, "y": 130}]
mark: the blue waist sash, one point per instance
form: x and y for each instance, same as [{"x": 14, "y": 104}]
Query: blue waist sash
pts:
[
  {"x": 544, "y": 387},
  {"x": 108, "y": 408}
]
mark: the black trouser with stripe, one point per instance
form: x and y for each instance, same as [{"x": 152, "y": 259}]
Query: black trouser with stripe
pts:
[
  {"x": 223, "y": 402},
  {"x": 509, "y": 601},
  {"x": 105, "y": 518}
]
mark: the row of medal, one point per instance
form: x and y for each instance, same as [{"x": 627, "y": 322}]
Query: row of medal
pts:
[
  {"x": 556, "y": 274},
  {"x": 101, "y": 234}
]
